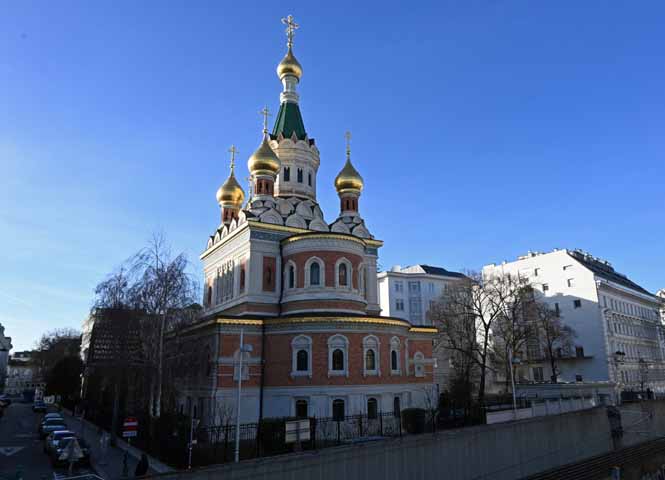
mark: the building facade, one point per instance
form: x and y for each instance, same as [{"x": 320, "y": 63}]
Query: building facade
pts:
[
  {"x": 616, "y": 321},
  {"x": 23, "y": 374},
  {"x": 5, "y": 347},
  {"x": 409, "y": 292},
  {"x": 300, "y": 291}
]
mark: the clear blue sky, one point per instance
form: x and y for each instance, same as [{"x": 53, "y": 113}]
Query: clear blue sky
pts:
[{"x": 483, "y": 129}]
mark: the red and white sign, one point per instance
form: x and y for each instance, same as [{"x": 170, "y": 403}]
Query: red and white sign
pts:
[{"x": 130, "y": 427}]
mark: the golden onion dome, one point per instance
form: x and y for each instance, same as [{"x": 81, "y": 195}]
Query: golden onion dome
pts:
[
  {"x": 231, "y": 192},
  {"x": 289, "y": 66},
  {"x": 264, "y": 160},
  {"x": 348, "y": 179}
]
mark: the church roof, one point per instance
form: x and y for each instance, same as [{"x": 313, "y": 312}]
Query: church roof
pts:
[{"x": 289, "y": 120}]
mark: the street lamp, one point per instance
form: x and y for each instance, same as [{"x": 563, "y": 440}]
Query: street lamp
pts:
[
  {"x": 242, "y": 350},
  {"x": 512, "y": 361}
]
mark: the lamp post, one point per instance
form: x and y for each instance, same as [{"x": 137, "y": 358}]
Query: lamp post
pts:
[
  {"x": 512, "y": 361},
  {"x": 644, "y": 373},
  {"x": 241, "y": 351}
]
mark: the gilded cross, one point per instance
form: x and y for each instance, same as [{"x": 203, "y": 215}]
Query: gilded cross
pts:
[
  {"x": 291, "y": 27},
  {"x": 249, "y": 187},
  {"x": 233, "y": 150},
  {"x": 347, "y": 135},
  {"x": 266, "y": 113}
]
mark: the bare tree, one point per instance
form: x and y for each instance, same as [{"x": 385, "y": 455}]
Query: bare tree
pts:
[
  {"x": 159, "y": 286},
  {"x": 553, "y": 336},
  {"x": 465, "y": 317}
]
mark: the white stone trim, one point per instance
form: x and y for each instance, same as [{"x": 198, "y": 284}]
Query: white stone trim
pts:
[
  {"x": 419, "y": 364},
  {"x": 301, "y": 342},
  {"x": 322, "y": 272},
  {"x": 371, "y": 342},
  {"x": 338, "y": 342},
  {"x": 349, "y": 274},
  {"x": 395, "y": 346},
  {"x": 289, "y": 264}
]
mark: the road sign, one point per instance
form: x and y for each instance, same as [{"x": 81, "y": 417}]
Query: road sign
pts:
[
  {"x": 130, "y": 427},
  {"x": 297, "y": 431}
]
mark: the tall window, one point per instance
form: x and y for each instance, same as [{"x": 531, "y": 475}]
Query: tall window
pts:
[
  {"x": 301, "y": 353},
  {"x": 300, "y": 175},
  {"x": 292, "y": 276},
  {"x": 301, "y": 409},
  {"x": 418, "y": 360},
  {"x": 372, "y": 408},
  {"x": 242, "y": 277},
  {"x": 394, "y": 356},
  {"x": 302, "y": 361},
  {"x": 338, "y": 360},
  {"x": 396, "y": 407},
  {"x": 287, "y": 174},
  {"x": 338, "y": 409},
  {"x": 371, "y": 352},
  {"x": 399, "y": 304},
  {"x": 314, "y": 274},
  {"x": 393, "y": 361},
  {"x": 370, "y": 360},
  {"x": 338, "y": 348},
  {"x": 309, "y": 179},
  {"x": 343, "y": 281}
]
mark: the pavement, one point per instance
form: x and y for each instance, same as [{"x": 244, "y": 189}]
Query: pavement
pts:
[{"x": 108, "y": 462}]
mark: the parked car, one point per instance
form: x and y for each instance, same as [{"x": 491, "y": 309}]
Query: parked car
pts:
[
  {"x": 39, "y": 406},
  {"x": 50, "y": 416},
  {"x": 5, "y": 401},
  {"x": 52, "y": 441},
  {"x": 50, "y": 426},
  {"x": 57, "y": 453}
]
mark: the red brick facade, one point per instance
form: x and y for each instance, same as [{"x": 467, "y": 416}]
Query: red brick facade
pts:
[{"x": 329, "y": 259}]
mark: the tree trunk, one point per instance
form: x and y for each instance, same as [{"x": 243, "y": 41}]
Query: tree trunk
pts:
[{"x": 160, "y": 357}]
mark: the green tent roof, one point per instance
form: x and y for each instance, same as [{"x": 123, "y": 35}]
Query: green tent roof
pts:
[{"x": 289, "y": 120}]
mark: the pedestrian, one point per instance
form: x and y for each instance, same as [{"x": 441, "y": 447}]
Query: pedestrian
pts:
[{"x": 142, "y": 466}]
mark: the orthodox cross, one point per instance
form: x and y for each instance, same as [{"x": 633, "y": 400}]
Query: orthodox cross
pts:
[
  {"x": 291, "y": 27},
  {"x": 347, "y": 135},
  {"x": 249, "y": 188},
  {"x": 266, "y": 113},
  {"x": 233, "y": 150}
]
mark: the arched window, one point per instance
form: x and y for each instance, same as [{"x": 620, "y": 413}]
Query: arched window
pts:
[
  {"x": 314, "y": 274},
  {"x": 292, "y": 276},
  {"x": 209, "y": 299},
  {"x": 343, "y": 281},
  {"x": 338, "y": 355},
  {"x": 418, "y": 360},
  {"x": 338, "y": 409},
  {"x": 301, "y": 409},
  {"x": 302, "y": 361},
  {"x": 371, "y": 355},
  {"x": 309, "y": 179},
  {"x": 338, "y": 359},
  {"x": 372, "y": 408},
  {"x": 370, "y": 360},
  {"x": 301, "y": 353},
  {"x": 287, "y": 174},
  {"x": 299, "y": 175},
  {"x": 394, "y": 356}
]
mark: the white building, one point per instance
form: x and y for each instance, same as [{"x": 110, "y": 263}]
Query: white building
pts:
[
  {"x": 409, "y": 292},
  {"x": 5, "y": 347},
  {"x": 609, "y": 312}
]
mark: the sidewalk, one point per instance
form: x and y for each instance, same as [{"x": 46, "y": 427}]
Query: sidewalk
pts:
[{"x": 109, "y": 466}]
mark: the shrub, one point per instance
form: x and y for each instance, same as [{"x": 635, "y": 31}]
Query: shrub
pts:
[{"x": 413, "y": 420}]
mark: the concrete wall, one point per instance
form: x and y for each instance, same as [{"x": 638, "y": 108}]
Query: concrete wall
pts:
[{"x": 503, "y": 451}]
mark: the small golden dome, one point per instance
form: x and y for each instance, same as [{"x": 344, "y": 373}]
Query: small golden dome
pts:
[
  {"x": 289, "y": 66},
  {"x": 231, "y": 192},
  {"x": 264, "y": 160},
  {"x": 348, "y": 180}
]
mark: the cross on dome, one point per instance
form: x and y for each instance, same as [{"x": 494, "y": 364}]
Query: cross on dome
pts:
[
  {"x": 347, "y": 136},
  {"x": 291, "y": 27},
  {"x": 265, "y": 113},
  {"x": 233, "y": 150}
]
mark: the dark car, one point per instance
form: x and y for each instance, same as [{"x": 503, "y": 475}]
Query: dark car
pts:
[
  {"x": 53, "y": 416},
  {"x": 50, "y": 426},
  {"x": 5, "y": 401},
  {"x": 59, "y": 454},
  {"x": 39, "y": 406},
  {"x": 52, "y": 441}
]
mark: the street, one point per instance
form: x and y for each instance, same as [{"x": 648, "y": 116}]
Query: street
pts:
[{"x": 20, "y": 446}]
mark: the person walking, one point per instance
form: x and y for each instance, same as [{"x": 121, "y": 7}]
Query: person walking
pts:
[{"x": 142, "y": 466}]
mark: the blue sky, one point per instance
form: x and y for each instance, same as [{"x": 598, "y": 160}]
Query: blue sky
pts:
[{"x": 483, "y": 129}]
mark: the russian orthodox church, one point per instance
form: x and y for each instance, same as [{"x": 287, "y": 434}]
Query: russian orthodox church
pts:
[{"x": 300, "y": 290}]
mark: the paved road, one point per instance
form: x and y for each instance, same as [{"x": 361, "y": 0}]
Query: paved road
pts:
[{"x": 20, "y": 446}]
